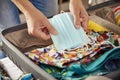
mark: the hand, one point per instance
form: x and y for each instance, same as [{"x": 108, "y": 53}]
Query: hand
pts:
[
  {"x": 80, "y": 15},
  {"x": 38, "y": 25}
]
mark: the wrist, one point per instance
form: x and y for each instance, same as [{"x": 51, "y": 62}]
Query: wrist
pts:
[{"x": 76, "y": 2}]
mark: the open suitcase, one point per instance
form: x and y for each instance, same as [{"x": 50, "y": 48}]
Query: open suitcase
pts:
[
  {"x": 20, "y": 59},
  {"x": 16, "y": 53}
]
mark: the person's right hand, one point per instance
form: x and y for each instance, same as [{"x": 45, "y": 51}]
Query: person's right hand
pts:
[{"x": 38, "y": 25}]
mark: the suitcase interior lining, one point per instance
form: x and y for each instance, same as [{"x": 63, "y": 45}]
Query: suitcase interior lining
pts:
[{"x": 22, "y": 40}]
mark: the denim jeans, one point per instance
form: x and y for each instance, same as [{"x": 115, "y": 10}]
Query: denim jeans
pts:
[
  {"x": 48, "y": 7},
  {"x": 9, "y": 14}
]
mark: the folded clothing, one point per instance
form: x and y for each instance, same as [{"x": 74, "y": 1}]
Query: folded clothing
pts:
[
  {"x": 78, "y": 62},
  {"x": 116, "y": 11},
  {"x": 78, "y": 71},
  {"x": 113, "y": 64},
  {"x": 100, "y": 42}
]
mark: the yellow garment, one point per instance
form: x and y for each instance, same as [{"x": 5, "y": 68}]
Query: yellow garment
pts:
[
  {"x": 96, "y": 27},
  {"x": 118, "y": 19}
]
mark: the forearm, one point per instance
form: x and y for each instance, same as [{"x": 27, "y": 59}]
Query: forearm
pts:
[
  {"x": 24, "y": 5},
  {"x": 72, "y": 1},
  {"x": 76, "y": 3}
]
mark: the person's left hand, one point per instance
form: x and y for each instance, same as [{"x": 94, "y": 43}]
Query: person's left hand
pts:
[{"x": 79, "y": 13}]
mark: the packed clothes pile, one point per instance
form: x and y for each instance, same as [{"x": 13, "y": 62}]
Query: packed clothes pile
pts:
[{"x": 99, "y": 56}]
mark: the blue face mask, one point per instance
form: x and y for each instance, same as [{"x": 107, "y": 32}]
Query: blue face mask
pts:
[{"x": 68, "y": 36}]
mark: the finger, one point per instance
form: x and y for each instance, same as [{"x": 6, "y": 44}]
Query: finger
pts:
[
  {"x": 50, "y": 28},
  {"x": 42, "y": 33},
  {"x": 84, "y": 23},
  {"x": 77, "y": 20}
]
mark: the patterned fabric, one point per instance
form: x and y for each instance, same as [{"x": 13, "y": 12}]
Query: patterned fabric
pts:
[
  {"x": 117, "y": 15},
  {"x": 101, "y": 42},
  {"x": 77, "y": 71}
]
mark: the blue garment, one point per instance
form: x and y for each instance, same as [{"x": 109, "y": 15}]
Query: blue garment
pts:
[
  {"x": 96, "y": 65},
  {"x": 78, "y": 71},
  {"x": 26, "y": 77},
  {"x": 112, "y": 65},
  {"x": 9, "y": 14},
  {"x": 48, "y": 7},
  {"x": 2, "y": 54}
]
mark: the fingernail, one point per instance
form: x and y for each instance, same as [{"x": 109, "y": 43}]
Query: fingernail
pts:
[{"x": 78, "y": 26}]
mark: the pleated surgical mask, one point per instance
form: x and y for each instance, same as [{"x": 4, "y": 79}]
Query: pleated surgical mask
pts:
[{"x": 68, "y": 36}]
